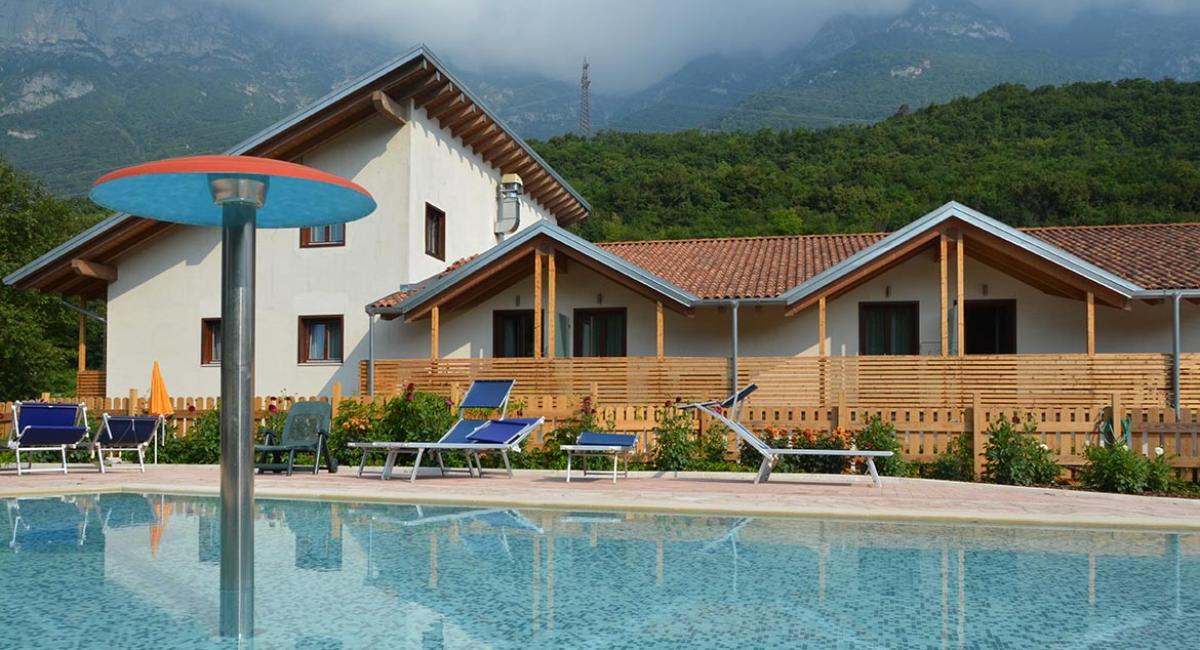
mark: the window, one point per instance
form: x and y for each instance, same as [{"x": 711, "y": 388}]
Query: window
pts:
[
  {"x": 210, "y": 341},
  {"x": 990, "y": 327},
  {"x": 319, "y": 236},
  {"x": 600, "y": 332},
  {"x": 888, "y": 328},
  {"x": 320, "y": 339},
  {"x": 435, "y": 232},
  {"x": 512, "y": 333}
]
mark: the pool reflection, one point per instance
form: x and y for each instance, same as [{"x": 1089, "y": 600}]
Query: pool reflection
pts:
[{"x": 346, "y": 575}]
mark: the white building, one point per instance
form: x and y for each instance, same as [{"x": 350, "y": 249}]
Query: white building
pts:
[{"x": 432, "y": 156}]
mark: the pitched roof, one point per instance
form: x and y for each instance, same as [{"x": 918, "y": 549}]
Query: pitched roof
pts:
[
  {"x": 417, "y": 75},
  {"x": 1151, "y": 256},
  {"x": 741, "y": 267},
  {"x": 1155, "y": 256}
]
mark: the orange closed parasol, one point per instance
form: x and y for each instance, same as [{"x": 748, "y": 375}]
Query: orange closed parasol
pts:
[
  {"x": 160, "y": 404},
  {"x": 160, "y": 401}
]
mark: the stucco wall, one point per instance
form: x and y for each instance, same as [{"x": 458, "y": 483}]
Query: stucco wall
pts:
[{"x": 165, "y": 288}]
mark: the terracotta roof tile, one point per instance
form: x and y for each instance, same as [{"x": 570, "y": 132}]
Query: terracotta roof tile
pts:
[
  {"x": 741, "y": 267},
  {"x": 1155, "y": 256}
]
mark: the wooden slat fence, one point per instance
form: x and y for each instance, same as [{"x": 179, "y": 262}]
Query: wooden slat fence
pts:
[
  {"x": 90, "y": 383},
  {"x": 1050, "y": 380}
]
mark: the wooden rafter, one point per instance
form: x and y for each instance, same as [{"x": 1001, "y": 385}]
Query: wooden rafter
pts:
[
  {"x": 92, "y": 269},
  {"x": 425, "y": 97},
  {"x": 444, "y": 103},
  {"x": 389, "y": 109},
  {"x": 864, "y": 273},
  {"x": 461, "y": 114},
  {"x": 504, "y": 162}
]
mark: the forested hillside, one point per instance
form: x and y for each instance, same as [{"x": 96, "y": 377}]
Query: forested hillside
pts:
[
  {"x": 1085, "y": 153},
  {"x": 37, "y": 334}
]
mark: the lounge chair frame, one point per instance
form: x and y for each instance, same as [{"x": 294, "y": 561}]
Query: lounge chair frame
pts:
[
  {"x": 20, "y": 428},
  {"x": 473, "y": 450},
  {"x": 772, "y": 455},
  {"x": 582, "y": 449},
  {"x": 99, "y": 447}
]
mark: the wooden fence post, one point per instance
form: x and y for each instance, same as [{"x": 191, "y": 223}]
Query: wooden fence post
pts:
[
  {"x": 1117, "y": 415},
  {"x": 45, "y": 397},
  {"x": 335, "y": 398},
  {"x": 133, "y": 402},
  {"x": 455, "y": 394},
  {"x": 595, "y": 395},
  {"x": 978, "y": 426},
  {"x": 841, "y": 417}
]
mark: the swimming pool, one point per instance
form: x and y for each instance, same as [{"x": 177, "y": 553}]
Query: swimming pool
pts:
[{"x": 130, "y": 571}]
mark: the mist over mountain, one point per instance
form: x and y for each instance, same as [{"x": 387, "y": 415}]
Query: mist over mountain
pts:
[{"x": 88, "y": 85}]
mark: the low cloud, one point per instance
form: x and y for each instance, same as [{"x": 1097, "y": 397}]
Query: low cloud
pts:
[{"x": 630, "y": 43}]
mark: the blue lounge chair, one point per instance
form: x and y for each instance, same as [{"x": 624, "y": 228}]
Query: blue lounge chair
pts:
[
  {"x": 469, "y": 436},
  {"x": 605, "y": 445},
  {"x": 722, "y": 410},
  {"x": 47, "y": 524},
  {"x": 41, "y": 426},
  {"x": 118, "y": 433}
]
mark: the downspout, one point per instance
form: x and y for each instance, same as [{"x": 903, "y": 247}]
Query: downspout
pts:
[
  {"x": 1176, "y": 353},
  {"x": 370, "y": 354}
]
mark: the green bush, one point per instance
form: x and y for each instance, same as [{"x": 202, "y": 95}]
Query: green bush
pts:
[
  {"x": 412, "y": 416},
  {"x": 957, "y": 462},
  {"x": 714, "y": 449},
  {"x": 200, "y": 446},
  {"x": 1016, "y": 457},
  {"x": 551, "y": 455},
  {"x": 1117, "y": 468},
  {"x": 749, "y": 458},
  {"x": 675, "y": 444},
  {"x": 812, "y": 439},
  {"x": 881, "y": 436}
]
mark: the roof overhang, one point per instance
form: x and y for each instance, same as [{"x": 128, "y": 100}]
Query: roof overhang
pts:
[
  {"x": 418, "y": 76},
  {"x": 508, "y": 261},
  {"x": 1030, "y": 259}
]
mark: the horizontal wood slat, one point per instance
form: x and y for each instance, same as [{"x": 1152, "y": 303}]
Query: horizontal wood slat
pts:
[
  {"x": 90, "y": 383},
  {"x": 909, "y": 381}
]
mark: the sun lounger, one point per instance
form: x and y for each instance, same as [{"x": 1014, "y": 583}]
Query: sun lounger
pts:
[
  {"x": 472, "y": 437},
  {"x": 41, "y": 426},
  {"x": 605, "y": 445},
  {"x": 47, "y": 524},
  {"x": 772, "y": 455},
  {"x": 118, "y": 433},
  {"x": 306, "y": 430}
]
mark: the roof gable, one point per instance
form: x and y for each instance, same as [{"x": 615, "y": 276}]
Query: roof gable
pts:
[
  {"x": 414, "y": 299},
  {"x": 883, "y": 250}
]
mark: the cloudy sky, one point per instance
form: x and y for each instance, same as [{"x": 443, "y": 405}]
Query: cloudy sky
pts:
[{"x": 642, "y": 40}]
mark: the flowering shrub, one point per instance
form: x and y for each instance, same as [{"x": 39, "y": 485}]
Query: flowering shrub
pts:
[
  {"x": 1117, "y": 468},
  {"x": 957, "y": 462},
  {"x": 839, "y": 438},
  {"x": 675, "y": 444},
  {"x": 881, "y": 436},
  {"x": 411, "y": 416},
  {"x": 550, "y": 455},
  {"x": 1016, "y": 457}
]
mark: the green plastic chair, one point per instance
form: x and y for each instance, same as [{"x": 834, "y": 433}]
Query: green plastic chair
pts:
[{"x": 306, "y": 430}]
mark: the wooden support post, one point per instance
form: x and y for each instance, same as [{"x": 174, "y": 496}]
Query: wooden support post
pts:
[
  {"x": 944, "y": 272},
  {"x": 132, "y": 408},
  {"x": 82, "y": 363},
  {"x": 978, "y": 426},
  {"x": 551, "y": 306},
  {"x": 842, "y": 416},
  {"x": 1118, "y": 415},
  {"x": 434, "y": 331},
  {"x": 335, "y": 398},
  {"x": 962, "y": 303},
  {"x": 1091, "y": 324},
  {"x": 537, "y": 305},
  {"x": 822, "y": 346},
  {"x": 658, "y": 329}
]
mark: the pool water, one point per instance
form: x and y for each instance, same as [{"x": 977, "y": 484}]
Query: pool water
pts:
[{"x": 141, "y": 571}]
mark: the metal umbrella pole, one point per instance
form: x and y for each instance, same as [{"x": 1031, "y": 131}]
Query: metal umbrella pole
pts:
[{"x": 237, "y": 417}]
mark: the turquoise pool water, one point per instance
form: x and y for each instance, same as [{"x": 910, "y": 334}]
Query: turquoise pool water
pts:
[{"x": 140, "y": 571}]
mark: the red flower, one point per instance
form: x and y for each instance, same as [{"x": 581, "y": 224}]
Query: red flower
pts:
[
  {"x": 191, "y": 408},
  {"x": 272, "y": 408}
]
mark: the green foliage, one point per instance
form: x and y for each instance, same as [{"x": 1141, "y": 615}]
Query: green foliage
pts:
[
  {"x": 714, "y": 447},
  {"x": 411, "y": 416},
  {"x": 957, "y": 462},
  {"x": 201, "y": 445},
  {"x": 1083, "y": 153},
  {"x": 812, "y": 439},
  {"x": 881, "y": 436},
  {"x": 37, "y": 335},
  {"x": 675, "y": 444},
  {"x": 551, "y": 455},
  {"x": 1015, "y": 457},
  {"x": 1117, "y": 468}
]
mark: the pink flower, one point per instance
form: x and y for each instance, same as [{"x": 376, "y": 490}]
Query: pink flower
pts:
[{"x": 272, "y": 408}]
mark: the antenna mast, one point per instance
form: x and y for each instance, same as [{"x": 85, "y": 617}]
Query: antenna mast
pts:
[{"x": 585, "y": 109}]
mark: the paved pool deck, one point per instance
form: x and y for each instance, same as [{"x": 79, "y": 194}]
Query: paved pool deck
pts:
[{"x": 809, "y": 495}]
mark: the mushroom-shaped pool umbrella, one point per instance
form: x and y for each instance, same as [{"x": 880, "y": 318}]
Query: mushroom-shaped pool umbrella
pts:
[{"x": 237, "y": 193}]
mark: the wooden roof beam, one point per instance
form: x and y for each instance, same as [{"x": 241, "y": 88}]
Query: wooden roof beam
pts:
[
  {"x": 460, "y": 115},
  {"x": 90, "y": 269},
  {"x": 389, "y": 109},
  {"x": 503, "y": 163},
  {"x": 424, "y": 97},
  {"x": 503, "y": 145},
  {"x": 864, "y": 273},
  {"x": 447, "y": 102},
  {"x": 473, "y": 129},
  {"x": 483, "y": 138}
]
